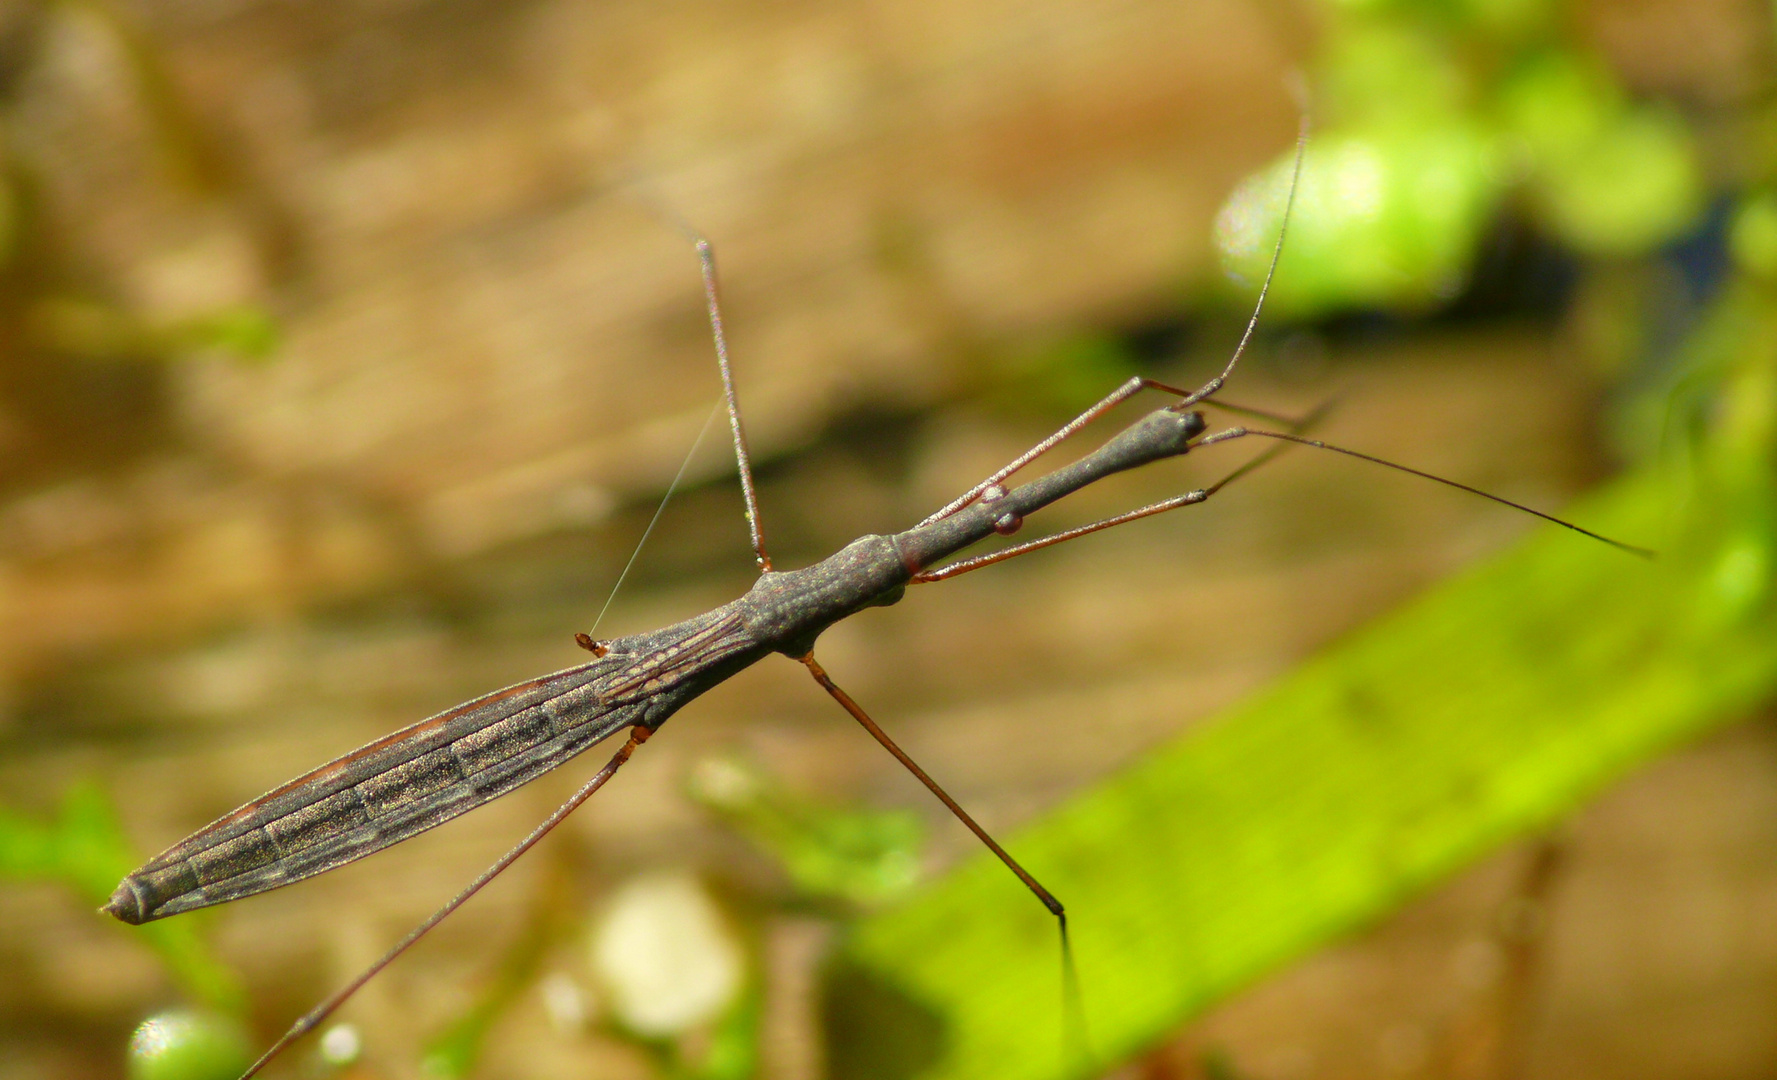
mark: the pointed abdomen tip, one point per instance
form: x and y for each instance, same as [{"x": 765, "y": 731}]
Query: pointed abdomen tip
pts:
[{"x": 125, "y": 905}]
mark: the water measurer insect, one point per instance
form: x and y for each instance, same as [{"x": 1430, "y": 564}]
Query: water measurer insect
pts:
[{"x": 424, "y": 775}]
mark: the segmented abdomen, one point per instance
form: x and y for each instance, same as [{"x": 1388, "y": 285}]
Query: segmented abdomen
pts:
[{"x": 380, "y": 794}]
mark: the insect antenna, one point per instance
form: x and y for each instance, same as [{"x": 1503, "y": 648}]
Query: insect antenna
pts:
[
  {"x": 671, "y": 489},
  {"x": 1299, "y": 440},
  {"x": 1214, "y": 386},
  {"x": 1272, "y": 453}
]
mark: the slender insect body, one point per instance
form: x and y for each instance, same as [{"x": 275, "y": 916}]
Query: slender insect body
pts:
[
  {"x": 426, "y": 774},
  {"x": 379, "y": 795}
]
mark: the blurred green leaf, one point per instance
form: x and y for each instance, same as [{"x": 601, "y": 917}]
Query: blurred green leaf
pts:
[
  {"x": 1608, "y": 177},
  {"x": 1634, "y": 189},
  {"x": 1383, "y": 218},
  {"x": 862, "y": 856},
  {"x": 91, "y": 329},
  {"x": 1383, "y": 72},
  {"x": 732, "y": 1052},
  {"x": 1555, "y": 100},
  {"x": 1426, "y": 132},
  {"x": 1752, "y": 238},
  {"x": 246, "y": 331},
  {"x": 83, "y": 846},
  {"x": 85, "y": 849},
  {"x": 189, "y": 1046},
  {"x": 455, "y": 1052},
  {"x": 1512, "y": 20},
  {"x": 1505, "y": 19},
  {"x": 27, "y": 848},
  {"x": 1056, "y": 375}
]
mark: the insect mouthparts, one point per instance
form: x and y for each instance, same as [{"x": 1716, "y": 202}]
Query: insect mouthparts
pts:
[{"x": 1195, "y": 424}]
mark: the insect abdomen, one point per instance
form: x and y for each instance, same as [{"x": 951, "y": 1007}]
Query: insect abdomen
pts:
[{"x": 376, "y": 796}]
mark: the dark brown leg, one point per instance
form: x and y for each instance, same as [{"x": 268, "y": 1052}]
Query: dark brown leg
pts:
[
  {"x": 1076, "y": 1043},
  {"x": 862, "y": 717}
]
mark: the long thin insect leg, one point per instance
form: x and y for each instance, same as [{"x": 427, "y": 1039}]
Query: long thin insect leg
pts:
[
  {"x": 1189, "y": 498},
  {"x": 1135, "y": 385},
  {"x": 1070, "y": 979},
  {"x": 1264, "y": 414},
  {"x": 706, "y": 256},
  {"x": 963, "y": 566},
  {"x": 314, "y": 1018},
  {"x": 881, "y": 736}
]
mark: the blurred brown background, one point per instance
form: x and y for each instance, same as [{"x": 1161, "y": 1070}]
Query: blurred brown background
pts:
[{"x": 218, "y": 571}]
